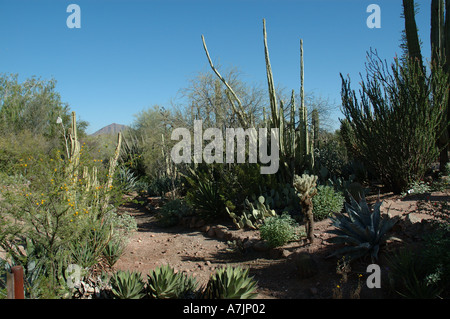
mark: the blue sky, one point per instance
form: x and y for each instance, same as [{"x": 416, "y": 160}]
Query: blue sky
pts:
[{"x": 129, "y": 55}]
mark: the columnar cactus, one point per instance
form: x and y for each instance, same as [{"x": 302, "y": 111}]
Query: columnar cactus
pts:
[
  {"x": 91, "y": 182},
  {"x": 295, "y": 146}
]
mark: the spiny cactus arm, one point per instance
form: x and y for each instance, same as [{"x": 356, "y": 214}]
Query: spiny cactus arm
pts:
[
  {"x": 273, "y": 99},
  {"x": 240, "y": 112},
  {"x": 412, "y": 38},
  {"x": 437, "y": 30},
  {"x": 113, "y": 162}
]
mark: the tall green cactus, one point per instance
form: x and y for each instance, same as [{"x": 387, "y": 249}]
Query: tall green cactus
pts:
[
  {"x": 440, "y": 53},
  {"x": 91, "y": 182},
  {"x": 296, "y": 152},
  {"x": 295, "y": 145}
]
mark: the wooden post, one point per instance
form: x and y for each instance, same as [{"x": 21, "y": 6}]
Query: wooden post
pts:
[
  {"x": 17, "y": 272},
  {"x": 9, "y": 285}
]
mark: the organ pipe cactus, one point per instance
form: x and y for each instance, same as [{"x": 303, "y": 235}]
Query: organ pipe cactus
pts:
[{"x": 295, "y": 146}]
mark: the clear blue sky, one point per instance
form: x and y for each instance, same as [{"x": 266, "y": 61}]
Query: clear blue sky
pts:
[{"x": 129, "y": 55}]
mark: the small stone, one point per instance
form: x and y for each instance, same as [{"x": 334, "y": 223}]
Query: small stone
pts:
[
  {"x": 211, "y": 232},
  {"x": 260, "y": 246}
]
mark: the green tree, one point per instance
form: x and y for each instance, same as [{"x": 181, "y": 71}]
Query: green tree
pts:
[{"x": 32, "y": 105}]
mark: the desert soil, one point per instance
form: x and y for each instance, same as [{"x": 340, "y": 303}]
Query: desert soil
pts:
[{"x": 198, "y": 252}]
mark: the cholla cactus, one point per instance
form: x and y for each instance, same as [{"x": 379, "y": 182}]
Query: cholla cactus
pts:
[
  {"x": 305, "y": 185},
  {"x": 306, "y": 188}
]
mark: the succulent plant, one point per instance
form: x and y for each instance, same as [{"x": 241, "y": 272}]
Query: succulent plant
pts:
[
  {"x": 305, "y": 186},
  {"x": 164, "y": 283},
  {"x": 127, "y": 285},
  {"x": 254, "y": 214},
  {"x": 362, "y": 229},
  {"x": 230, "y": 283}
]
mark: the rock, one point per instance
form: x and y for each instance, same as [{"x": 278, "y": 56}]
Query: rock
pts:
[
  {"x": 211, "y": 232},
  {"x": 220, "y": 232},
  {"x": 276, "y": 253},
  {"x": 199, "y": 223},
  {"x": 413, "y": 218},
  {"x": 193, "y": 222},
  {"x": 249, "y": 243},
  {"x": 260, "y": 246}
]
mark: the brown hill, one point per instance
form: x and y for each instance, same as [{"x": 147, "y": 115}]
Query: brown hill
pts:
[{"x": 113, "y": 128}]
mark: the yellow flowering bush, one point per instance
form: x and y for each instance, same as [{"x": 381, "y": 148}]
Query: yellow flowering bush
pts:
[{"x": 63, "y": 207}]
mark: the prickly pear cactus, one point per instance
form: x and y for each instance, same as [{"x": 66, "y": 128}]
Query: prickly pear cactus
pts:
[{"x": 254, "y": 214}]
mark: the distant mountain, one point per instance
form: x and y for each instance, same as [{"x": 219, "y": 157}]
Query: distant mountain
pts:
[{"x": 110, "y": 129}]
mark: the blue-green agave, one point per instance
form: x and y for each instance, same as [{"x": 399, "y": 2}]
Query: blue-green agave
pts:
[{"x": 362, "y": 229}]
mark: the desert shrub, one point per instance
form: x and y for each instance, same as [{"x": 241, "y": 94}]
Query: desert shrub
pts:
[
  {"x": 172, "y": 211},
  {"x": 212, "y": 188},
  {"x": 410, "y": 276},
  {"x": 206, "y": 193},
  {"x": 330, "y": 158},
  {"x": 20, "y": 147},
  {"x": 397, "y": 119},
  {"x": 278, "y": 230},
  {"x": 418, "y": 187},
  {"x": 159, "y": 185},
  {"x": 63, "y": 211},
  {"x": 327, "y": 202}
]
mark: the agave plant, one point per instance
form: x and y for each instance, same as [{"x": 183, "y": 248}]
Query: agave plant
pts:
[
  {"x": 362, "y": 229},
  {"x": 230, "y": 283},
  {"x": 127, "y": 285},
  {"x": 164, "y": 283}
]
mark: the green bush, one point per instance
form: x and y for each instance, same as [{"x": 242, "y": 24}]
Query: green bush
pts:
[
  {"x": 172, "y": 211},
  {"x": 278, "y": 230},
  {"x": 397, "y": 120},
  {"x": 327, "y": 202},
  {"x": 411, "y": 277},
  {"x": 62, "y": 210}
]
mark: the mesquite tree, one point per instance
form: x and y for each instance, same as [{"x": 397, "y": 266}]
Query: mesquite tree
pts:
[{"x": 397, "y": 119}]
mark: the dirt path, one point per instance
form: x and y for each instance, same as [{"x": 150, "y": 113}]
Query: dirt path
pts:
[{"x": 196, "y": 253}]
